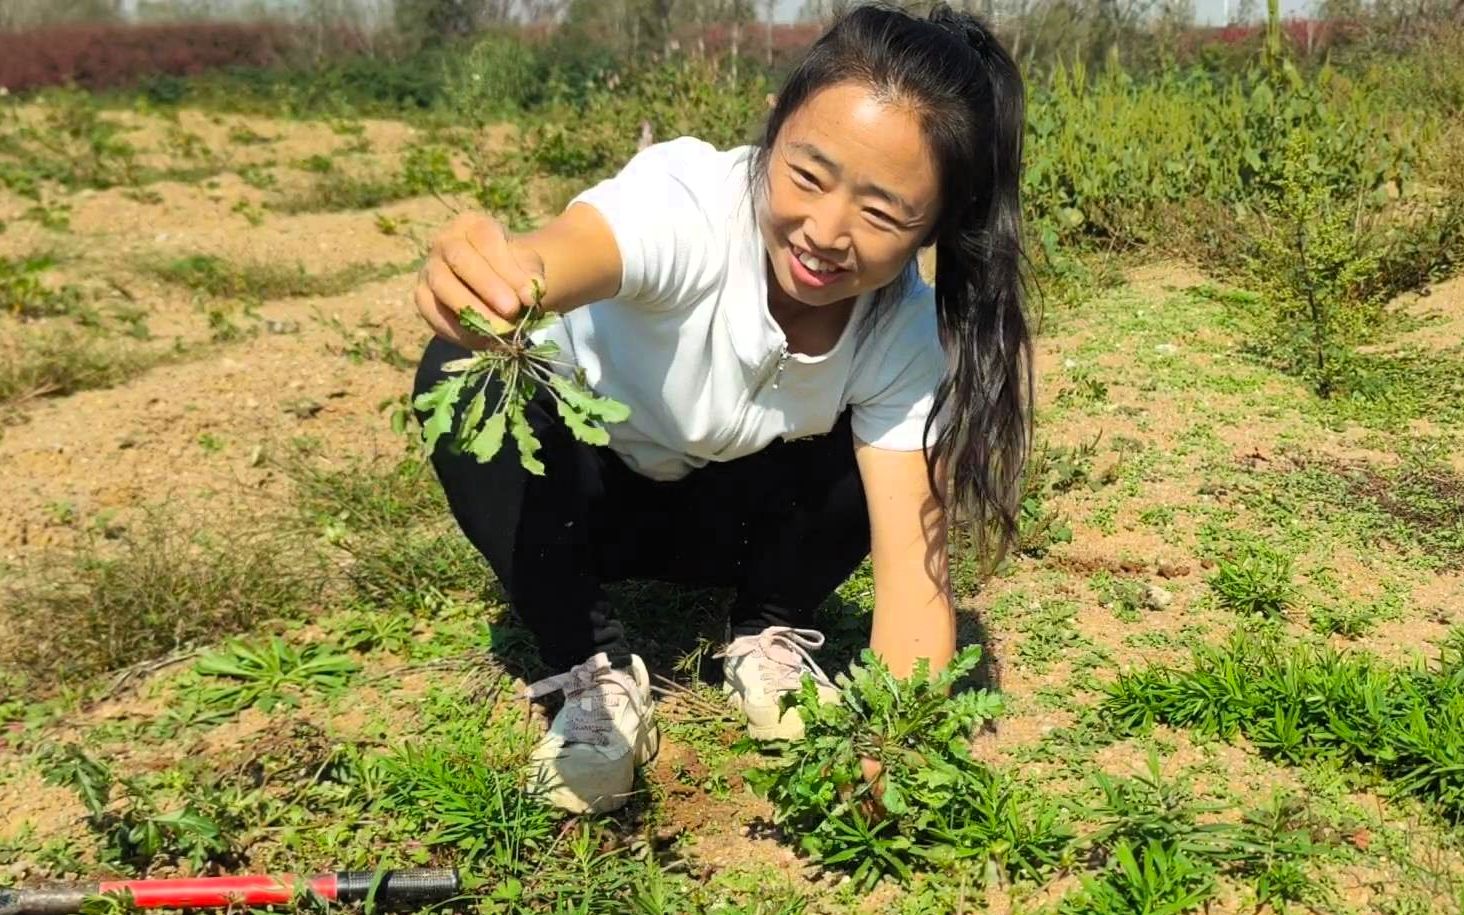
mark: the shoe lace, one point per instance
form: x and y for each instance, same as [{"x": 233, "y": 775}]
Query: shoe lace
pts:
[
  {"x": 786, "y": 651},
  {"x": 594, "y": 694}
]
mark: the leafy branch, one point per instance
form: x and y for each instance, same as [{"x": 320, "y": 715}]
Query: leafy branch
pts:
[{"x": 522, "y": 366}]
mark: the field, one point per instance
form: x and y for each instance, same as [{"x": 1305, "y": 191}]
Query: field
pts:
[{"x": 240, "y": 631}]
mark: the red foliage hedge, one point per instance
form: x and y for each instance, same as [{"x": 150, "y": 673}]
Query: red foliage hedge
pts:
[{"x": 105, "y": 56}]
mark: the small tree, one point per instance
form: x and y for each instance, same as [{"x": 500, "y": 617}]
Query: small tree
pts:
[
  {"x": 431, "y": 23},
  {"x": 1317, "y": 261}
]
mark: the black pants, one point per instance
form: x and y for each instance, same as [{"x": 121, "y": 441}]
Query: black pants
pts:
[{"x": 784, "y": 526}]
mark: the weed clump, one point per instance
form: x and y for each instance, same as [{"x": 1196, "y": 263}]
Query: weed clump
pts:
[
  {"x": 161, "y": 589},
  {"x": 214, "y": 276},
  {"x": 1398, "y": 726},
  {"x": 932, "y": 805},
  {"x": 53, "y": 362},
  {"x": 1257, "y": 582}
]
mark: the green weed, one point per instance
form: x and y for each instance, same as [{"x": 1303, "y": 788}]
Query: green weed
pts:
[
  {"x": 268, "y": 675},
  {"x": 1316, "y": 263},
  {"x": 335, "y": 191},
  {"x": 214, "y": 276},
  {"x": 1255, "y": 582},
  {"x": 23, "y": 295},
  {"x": 932, "y": 806},
  {"x": 1400, "y": 726},
  {"x": 135, "y": 829},
  {"x": 391, "y": 521},
  {"x": 365, "y": 343},
  {"x": 163, "y": 585},
  {"x": 1416, "y": 505},
  {"x": 54, "y": 362}
]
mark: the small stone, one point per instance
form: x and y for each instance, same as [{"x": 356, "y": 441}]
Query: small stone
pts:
[
  {"x": 1172, "y": 570},
  {"x": 281, "y": 326},
  {"x": 1166, "y": 349},
  {"x": 1157, "y": 598},
  {"x": 304, "y": 408}
]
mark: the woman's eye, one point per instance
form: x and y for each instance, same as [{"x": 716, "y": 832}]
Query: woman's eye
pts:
[
  {"x": 883, "y": 218},
  {"x": 805, "y": 178}
]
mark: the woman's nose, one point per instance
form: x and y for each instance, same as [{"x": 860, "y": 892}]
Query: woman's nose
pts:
[{"x": 825, "y": 231}]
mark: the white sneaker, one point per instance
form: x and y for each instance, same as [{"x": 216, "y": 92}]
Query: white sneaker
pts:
[
  {"x": 586, "y": 762},
  {"x": 758, "y": 669}
]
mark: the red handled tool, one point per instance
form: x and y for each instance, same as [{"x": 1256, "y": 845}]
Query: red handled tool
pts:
[{"x": 407, "y": 889}]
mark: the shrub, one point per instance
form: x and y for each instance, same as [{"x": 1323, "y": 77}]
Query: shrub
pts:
[
  {"x": 1317, "y": 262},
  {"x": 103, "y": 56}
]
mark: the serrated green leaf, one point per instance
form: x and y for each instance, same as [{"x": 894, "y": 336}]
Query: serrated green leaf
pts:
[
  {"x": 523, "y": 436},
  {"x": 440, "y": 422},
  {"x": 472, "y": 417},
  {"x": 482, "y": 324},
  {"x": 489, "y": 439}
]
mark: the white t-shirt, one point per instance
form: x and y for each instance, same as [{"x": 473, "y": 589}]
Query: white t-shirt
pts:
[{"x": 688, "y": 343}]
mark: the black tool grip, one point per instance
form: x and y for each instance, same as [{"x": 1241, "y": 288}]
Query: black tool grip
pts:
[{"x": 400, "y": 889}]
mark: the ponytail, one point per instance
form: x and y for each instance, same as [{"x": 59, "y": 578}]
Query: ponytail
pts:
[
  {"x": 968, "y": 95},
  {"x": 984, "y": 403}
]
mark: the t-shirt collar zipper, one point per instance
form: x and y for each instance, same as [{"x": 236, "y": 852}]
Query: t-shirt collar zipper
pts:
[{"x": 782, "y": 360}]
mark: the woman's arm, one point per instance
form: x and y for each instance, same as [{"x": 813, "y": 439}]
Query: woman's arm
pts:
[{"x": 914, "y": 616}]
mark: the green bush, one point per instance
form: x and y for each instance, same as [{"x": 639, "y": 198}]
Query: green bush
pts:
[
  {"x": 1107, "y": 152},
  {"x": 494, "y": 77}
]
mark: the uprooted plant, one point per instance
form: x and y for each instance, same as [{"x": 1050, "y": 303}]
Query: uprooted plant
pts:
[
  {"x": 931, "y": 805},
  {"x": 521, "y": 365}
]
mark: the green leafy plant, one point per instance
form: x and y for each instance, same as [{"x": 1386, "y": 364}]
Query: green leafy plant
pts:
[
  {"x": 376, "y": 630},
  {"x": 1257, "y": 581},
  {"x": 23, "y": 295},
  {"x": 521, "y": 367},
  {"x": 269, "y": 675},
  {"x": 135, "y": 828},
  {"x": 931, "y": 805},
  {"x": 1400, "y": 727},
  {"x": 1317, "y": 261},
  {"x": 1150, "y": 879}
]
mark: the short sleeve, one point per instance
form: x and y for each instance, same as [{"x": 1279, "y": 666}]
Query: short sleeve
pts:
[
  {"x": 896, "y": 393},
  {"x": 664, "y": 208}
]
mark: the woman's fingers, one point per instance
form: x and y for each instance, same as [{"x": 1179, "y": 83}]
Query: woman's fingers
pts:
[
  {"x": 473, "y": 265},
  {"x": 454, "y": 298},
  {"x": 518, "y": 269},
  {"x": 481, "y": 276}
]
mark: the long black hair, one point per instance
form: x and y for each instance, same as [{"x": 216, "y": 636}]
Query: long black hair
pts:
[{"x": 968, "y": 94}]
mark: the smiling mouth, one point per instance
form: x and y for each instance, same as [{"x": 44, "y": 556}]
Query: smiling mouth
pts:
[{"x": 815, "y": 264}]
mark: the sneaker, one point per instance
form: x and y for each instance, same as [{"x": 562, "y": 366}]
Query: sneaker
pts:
[
  {"x": 758, "y": 669},
  {"x": 586, "y": 762}
]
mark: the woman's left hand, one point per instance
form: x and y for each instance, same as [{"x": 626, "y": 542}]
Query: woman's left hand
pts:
[{"x": 873, "y": 774}]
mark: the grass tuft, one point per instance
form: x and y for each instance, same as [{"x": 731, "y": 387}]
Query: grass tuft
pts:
[
  {"x": 53, "y": 362},
  {"x": 1402, "y": 727},
  {"x": 214, "y": 276},
  {"x": 165, "y": 587}
]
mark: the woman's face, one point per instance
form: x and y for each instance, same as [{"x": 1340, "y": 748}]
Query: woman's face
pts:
[{"x": 852, "y": 190}]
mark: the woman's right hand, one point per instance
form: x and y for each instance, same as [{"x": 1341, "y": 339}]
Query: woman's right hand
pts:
[{"x": 474, "y": 264}]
